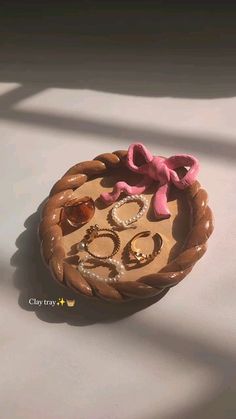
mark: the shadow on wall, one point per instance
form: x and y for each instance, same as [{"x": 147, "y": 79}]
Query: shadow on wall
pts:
[{"x": 160, "y": 48}]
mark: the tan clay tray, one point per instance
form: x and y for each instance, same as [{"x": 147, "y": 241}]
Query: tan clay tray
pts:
[{"x": 184, "y": 234}]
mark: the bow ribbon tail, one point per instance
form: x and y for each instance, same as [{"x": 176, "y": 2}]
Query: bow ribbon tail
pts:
[
  {"x": 110, "y": 197},
  {"x": 160, "y": 202}
]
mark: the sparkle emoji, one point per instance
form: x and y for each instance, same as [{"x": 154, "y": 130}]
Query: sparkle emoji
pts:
[
  {"x": 70, "y": 303},
  {"x": 61, "y": 302}
]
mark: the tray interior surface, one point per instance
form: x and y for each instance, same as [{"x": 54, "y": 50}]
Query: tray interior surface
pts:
[{"x": 173, "y": 230}]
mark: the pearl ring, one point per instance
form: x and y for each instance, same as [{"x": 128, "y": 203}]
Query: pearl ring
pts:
[
  {"x": 131, "y": 198},
  {"x": 85, "y": 272}
]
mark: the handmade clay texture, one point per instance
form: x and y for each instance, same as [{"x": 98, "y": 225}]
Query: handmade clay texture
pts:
[{"x": 184, "y": 234}]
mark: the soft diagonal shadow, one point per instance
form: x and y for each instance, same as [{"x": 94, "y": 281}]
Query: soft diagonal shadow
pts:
[
  {"x": 9, "y": 99},
  {"x": 220, "y": 405},
  {"x": 220, "y": 361},
  {"x": 221, "y": 148}
]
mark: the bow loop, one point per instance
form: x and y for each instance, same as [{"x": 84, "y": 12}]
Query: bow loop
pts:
[
  {"x": 183, "y": 160},
  {"x": 155, "y": 169},
  {"x": 138, "y": 151}
]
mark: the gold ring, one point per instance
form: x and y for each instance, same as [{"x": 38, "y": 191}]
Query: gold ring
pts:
[
  {"x": 94, "y": 232},
  {"x": 138, "y": 254}
]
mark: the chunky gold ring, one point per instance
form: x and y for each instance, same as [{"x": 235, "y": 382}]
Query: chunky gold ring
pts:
[
  {"x": 94, "y": 232},
  {"x": 138, "y": 254}
]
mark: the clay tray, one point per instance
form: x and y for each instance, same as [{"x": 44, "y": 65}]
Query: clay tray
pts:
[{"x": 184, "y": 234}]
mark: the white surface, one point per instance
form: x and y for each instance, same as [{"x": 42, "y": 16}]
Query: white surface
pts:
[{"x": 175, "y": 359}]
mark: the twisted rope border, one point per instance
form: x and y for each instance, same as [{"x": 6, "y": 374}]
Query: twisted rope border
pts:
[{"x": 50, "y": 234}]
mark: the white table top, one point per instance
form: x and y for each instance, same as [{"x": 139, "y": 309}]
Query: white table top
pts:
[{"x": 174, "y": 359}]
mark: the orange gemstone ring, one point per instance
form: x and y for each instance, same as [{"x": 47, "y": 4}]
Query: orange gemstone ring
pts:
[{"x": 79, "y": 211}]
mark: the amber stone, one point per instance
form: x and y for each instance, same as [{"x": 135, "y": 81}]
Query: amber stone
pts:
[{"x": 79, "y": 211}]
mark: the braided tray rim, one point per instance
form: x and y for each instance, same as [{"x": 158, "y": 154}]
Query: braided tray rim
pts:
[{"x": 50, "y": 235}]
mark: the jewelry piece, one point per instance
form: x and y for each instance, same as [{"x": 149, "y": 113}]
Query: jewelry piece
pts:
[
  {"x": 79, "y": 211},
  {"x": 92, "y": 233},
  {"x": 109, "y": 261},
  {"x": 131, "y": 198},
  {"x": 138, "y": 254}
]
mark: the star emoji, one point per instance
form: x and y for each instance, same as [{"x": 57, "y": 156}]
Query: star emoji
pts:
[{"x": 61, "y": 301}]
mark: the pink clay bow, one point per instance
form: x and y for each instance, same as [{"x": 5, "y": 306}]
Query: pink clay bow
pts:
[{"x": 156, "y": 169}]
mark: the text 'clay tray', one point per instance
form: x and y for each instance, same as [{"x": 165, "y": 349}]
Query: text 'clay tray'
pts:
[{"x": 184, "y": 234}]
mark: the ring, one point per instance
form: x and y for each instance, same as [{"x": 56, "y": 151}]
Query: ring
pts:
[
  {"x": 138, "y": 254},
  {"x": 92, "y": 233},
  {"x": 79, "y": 211},
  {"x": 131, "y": 198},
  {"x": 108, "y": 261}
]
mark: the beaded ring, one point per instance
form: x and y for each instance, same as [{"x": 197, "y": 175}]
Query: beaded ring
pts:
[
  {"x": 92, "y": 233},
  {"x": 109, "y": 261},
  {"x": 131, "y": 198}
]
